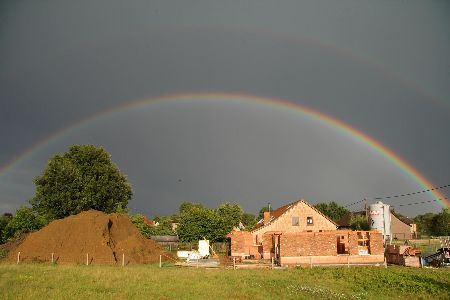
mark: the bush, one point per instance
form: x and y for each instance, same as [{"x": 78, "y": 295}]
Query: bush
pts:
[
  {"x": 24, "y": 221},
  {"x": 4, "y": 220},
  {"x": 358, "y": 222}
]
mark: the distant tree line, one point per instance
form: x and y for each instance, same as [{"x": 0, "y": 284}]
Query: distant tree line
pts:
[
  {"x": 85, "y": 178},
  {"x": 195, "y": 222},
  {"x": 431, "y": 224}
]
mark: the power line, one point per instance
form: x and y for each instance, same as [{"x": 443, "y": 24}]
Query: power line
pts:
[
  {"x": 414, "y": 193},
  {"x": 405, "y": 204},
  {"x": 406, "y": 195},
  {"x": 355, "y": 202},
  {"x": 416, "y": 203}
]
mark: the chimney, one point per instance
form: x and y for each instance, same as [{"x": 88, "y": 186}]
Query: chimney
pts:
[{"x": 266, "y": 217}]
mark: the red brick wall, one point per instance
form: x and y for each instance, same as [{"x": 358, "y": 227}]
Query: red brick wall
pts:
[
  {"x": 267, "y": 245},
  {"x": 322, "y": 243},
  {"x": 308, "y": 243},
  {"x": 352, "y": 243},
  {"x": 298, "y": 244},
  {"x": 376, "y": 243},
  {"x": 323, "y": 260},
  {"x": 242, "y": 244}
]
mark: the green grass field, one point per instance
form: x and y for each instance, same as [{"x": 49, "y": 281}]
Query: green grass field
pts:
[{"x": 38, "y": 281}]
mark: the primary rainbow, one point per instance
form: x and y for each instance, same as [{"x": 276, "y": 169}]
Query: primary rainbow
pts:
[{"x": 280, "y": 104}]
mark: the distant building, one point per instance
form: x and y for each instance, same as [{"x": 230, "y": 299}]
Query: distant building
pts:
[{"x": 401, "y": 227}]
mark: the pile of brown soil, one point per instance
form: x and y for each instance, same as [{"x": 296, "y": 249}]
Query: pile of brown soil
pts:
[
  {"x": 12, "y": 245},
  {"x": 90, "y": 236}
]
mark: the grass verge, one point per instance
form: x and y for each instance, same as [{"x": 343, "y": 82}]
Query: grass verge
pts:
[{"x": 38, "y": 281}]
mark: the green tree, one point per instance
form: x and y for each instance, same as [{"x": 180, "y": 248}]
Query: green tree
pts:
[
  {"x": 138, "y": 221},
  {"x": 23, "y": 221},
  {"x": 4, "y": 220},
  {"x": 248, "y": 220},
  {"x": 425, "y": 223},
  {"x": 164, "y": 226},
  {"x": 198, "y": 222},
  {"x": 441, "y": 223},
  {"x": 230, "y": 214},
  {"x": 332, "y": 210},
  {"x": 358, "y": 222},
  {"x": 81, "y": 179},
  {"x": 187, "y": 206},
  {"x": 262, "y": 211}
]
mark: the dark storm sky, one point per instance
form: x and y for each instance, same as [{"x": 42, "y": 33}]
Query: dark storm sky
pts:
[{"x": 380, "y": 66}]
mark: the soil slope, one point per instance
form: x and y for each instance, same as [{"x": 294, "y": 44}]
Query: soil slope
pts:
[{"x": 91, "y": 236}]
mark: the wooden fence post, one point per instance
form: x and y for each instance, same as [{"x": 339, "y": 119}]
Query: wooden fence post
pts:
[
  {"x": 160, "y": 261},
  {"x": 52, "y": 258},
  {"x": 123, "y": 259},
  {"x": 87, "y": 259},
  {"x": 18, "y": 257}
]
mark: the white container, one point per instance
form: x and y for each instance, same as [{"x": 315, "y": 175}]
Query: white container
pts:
[
  {"x": 380, "y": 218},
  {"x": 183, "y": 254},
  {"x": 203, "y": 248}
]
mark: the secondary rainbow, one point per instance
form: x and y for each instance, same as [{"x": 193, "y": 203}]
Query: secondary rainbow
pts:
[{"x": 275, "y": 103}]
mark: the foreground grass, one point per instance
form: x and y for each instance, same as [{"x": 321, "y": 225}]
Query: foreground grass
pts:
[{"x": 35, "y": 281}]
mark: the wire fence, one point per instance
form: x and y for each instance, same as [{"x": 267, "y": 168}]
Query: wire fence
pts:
[{"x": 122, "y": 259}]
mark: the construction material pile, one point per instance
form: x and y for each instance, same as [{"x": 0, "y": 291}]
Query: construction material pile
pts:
[
  {"x": 91, "y": 237},
  {"x": 403, "y": 255}
]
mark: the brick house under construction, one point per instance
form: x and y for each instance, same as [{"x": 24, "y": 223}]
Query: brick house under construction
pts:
[{"x": 298, "y": 233}]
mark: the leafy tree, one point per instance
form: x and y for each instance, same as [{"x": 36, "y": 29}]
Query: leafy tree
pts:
[
  {"x": 262, "y": 211},
  {"x": 4, "y": 220},
  {"x": 198, "y": 222},
  {"x": 187, "y": 206},
  {"x": 164, "y": 225},
  {"x": 230, "y": 215},
  {"x": 139, "y": 221},
  {"x": 248, "y": 220},
  {"x": 23, "y": 221},
  {"x": 441, "y": 223},
  {"x": 81, "y": 179},
  {"x": 358, "y": 222},
  {"x": 425, "y": 223},
  {"x": 332, "y": 210}
]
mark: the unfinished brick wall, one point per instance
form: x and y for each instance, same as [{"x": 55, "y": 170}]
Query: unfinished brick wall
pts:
[
  {"x": 242, "y": 244},
  {"x": 324, "y": 243},
  {"x": 298, "y": 247},
  {"x": 352, "y": 243},
  {"x": 308, "y": 243},
  {"x": 267, "y": 245},
  {"x": 284, "y": 222},
  {"x": 376, "y": 242}
]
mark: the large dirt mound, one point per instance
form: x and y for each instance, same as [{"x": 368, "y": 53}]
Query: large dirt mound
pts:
[{"x": 91, "y": 236}]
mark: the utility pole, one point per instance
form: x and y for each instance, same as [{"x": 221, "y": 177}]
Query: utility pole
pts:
[{"x": 366, "y": 208}]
